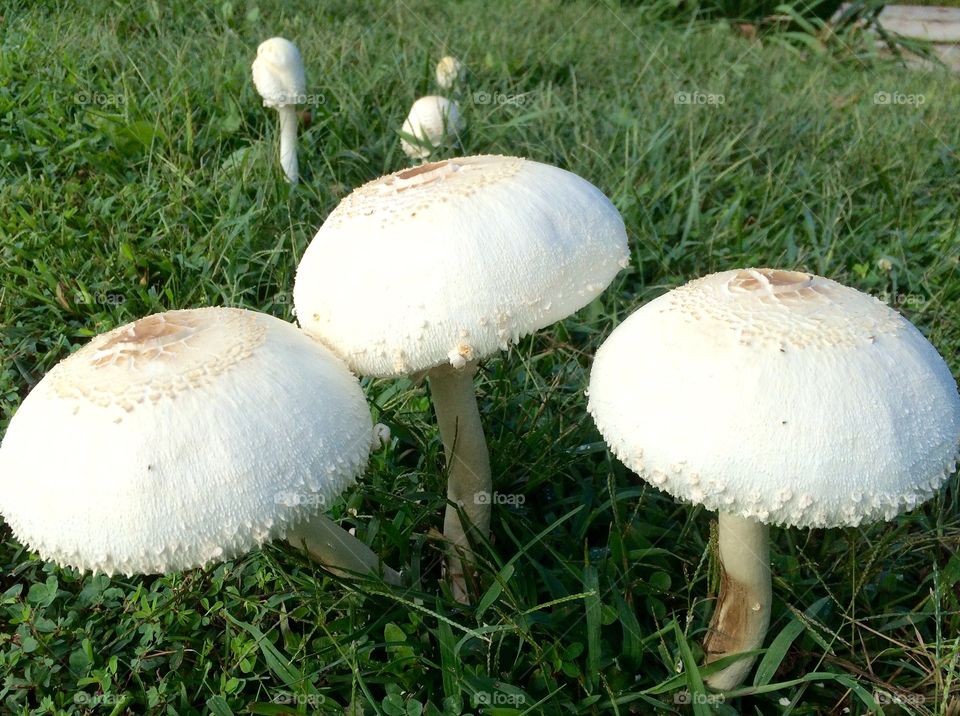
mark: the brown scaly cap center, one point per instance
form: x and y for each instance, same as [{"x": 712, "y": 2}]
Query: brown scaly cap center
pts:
[
  {"x": 151, "y": 336},
  {"x": 158, "y": 357},
  {"x": 784, "y": 309},
  {"x": 408, "y": 174},
  {"x": 770, "y": 280},
  {"x": 413, "y": 193}
]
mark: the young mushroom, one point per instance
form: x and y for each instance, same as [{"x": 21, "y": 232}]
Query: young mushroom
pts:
[
  {"x": 188, "y": 437},
  {"x": 279, "y": 78},
  {"x": 774, "y": 397},
  {"x": 470, "y": 254},
  {"x": 433, "y": 122},
  {"x": 449, "y": 72}
]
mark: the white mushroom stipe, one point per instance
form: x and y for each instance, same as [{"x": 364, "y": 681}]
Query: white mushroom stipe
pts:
[
  {"x": 473, "y": 254},
  {"x": 433, "y": 122},
  {"x": 279, "y": 78},
  {"x": 469, "y": 484},
  {"x": 183, "y": 438},
  {"x": 345, "y": 555},
  {"x": 813, "y": 404},
  {"x": 288, "y": 144},
  {"x": 449, "y": 72},
  {"x": 742, "y": 612}
]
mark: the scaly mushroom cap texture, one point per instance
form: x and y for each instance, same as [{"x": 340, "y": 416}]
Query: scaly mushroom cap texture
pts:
[
  {"x": 278, "y": 73},
  {"x": 451, "y": 261},
  {"x": 778, "y": 396},
  {"x": 434, "y": 122},
  {"x": 180, "y": 439}
]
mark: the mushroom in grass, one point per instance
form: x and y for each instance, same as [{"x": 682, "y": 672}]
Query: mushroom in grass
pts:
[
  {"x": 279, "y": 78},
  {"x": 774, "y": 397},
  {"x": 449, "y": 72},
  {"x": 433, "y": 122},
  {"x": 433, "y": 268},
  {"x": 187, "y": 437}
]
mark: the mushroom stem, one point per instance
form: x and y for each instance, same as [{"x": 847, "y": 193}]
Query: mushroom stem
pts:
[
  {"x": 742, "y": 613},
  {"x": 288, "y": 142},
  {"x": 338, "y": 550},
  {"x": 469, "y": 484}
]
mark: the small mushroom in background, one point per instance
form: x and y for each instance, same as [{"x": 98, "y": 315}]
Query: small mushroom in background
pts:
[
  {"x": 472, "y": 254},
  {"x": 184, "y": 438},
  {"x": 433, "y": 122},
  {"x": 774, "y": 397},
  {"x": 279, "y": 78},
  {"x": 381, "y": 437},
  {"x": 450, "y": 71}
]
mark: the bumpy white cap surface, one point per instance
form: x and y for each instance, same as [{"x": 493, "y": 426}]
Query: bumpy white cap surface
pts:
[
  {"x": 179, "y": 439},
  {"x": 278, "y": 73},
  {"x": 449, "y": 72},
  {"x": 452, "y": 261},
  {"x": 434, "y": 122},
  {"x": 779, "y": 396}
]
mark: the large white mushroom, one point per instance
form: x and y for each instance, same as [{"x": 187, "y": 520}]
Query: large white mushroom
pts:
[
  {"x": 470, "y": 255},
  {"x": 433, "y": 122},
  {"x": 774, "y": 397},
  {"x": 279, "y": 78},
  {"x": 183, "y": 438}
]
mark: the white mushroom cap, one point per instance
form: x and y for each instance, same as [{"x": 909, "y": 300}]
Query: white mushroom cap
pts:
[
  {"x": 779, "y": 396},
  {"x": 434, "y": 122},
  {"x": 278, "y": 73},
  {"x": 452, "y": 261},
  {"x": 179, "y": 439},
  {"x": 449, "y": 71}
]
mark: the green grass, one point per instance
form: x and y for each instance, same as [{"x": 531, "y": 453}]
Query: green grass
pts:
[{"x": 138, "y": 173}]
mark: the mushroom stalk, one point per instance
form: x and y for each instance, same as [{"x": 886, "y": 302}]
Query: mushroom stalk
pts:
[
  {"x": 742, "y": 613},
  {"x": 338, "y": 550},
  {"x": 469, "y": 484},
  {"x": 288, "y": 142}
]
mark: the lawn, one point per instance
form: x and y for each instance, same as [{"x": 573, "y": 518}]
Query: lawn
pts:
[{"x": 138, "y": 173}]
